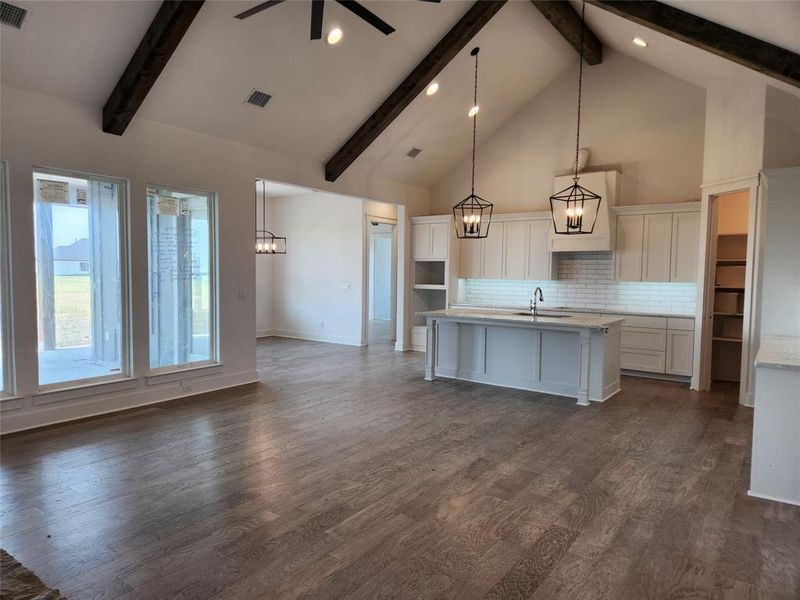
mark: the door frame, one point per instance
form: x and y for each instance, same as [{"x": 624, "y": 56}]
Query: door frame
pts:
[
  {"x": 701, "y": 378},
  {"x": 368, "y": 219}
]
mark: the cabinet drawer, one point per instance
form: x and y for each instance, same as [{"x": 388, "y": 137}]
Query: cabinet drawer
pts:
[
  {"x": 681, "y": 324},
  {"x": 643, "y": 339},
  {"x": 643, "y": 360},
  {"x": 649, "y": 322}
]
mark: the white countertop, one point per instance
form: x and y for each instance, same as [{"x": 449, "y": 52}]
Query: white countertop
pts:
[
  {"x": 504, "y": 316},
  {"x": 605, "y": 311},
  {"x": 779, "y": 352}
]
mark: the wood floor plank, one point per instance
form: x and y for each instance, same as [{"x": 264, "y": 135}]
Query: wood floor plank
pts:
[{"x": 344, "y": 474}]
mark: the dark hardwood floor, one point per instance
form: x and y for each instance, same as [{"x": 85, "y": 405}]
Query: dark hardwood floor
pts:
[{"x": 344, "y": 475}]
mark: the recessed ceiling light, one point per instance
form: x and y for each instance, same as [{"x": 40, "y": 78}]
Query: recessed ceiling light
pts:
[
  {"x": 432, "y": 89},
  {"x": 640, "y": 42},
  {"x": 334, "y": 36},
  {"x": 473, "y": 111}
]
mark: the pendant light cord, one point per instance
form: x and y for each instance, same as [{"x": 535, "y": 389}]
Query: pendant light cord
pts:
[
  {"x": 474, "y": 120},
  {"x": 580, "y": 86}
]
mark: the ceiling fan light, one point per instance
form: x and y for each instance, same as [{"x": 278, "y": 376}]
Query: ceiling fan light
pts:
[
  {"x": 432, "y": 89},
  {"x": 640, "y": 42},
  {"x": 473, "y": 111},
  {"x": 334, "y": 36}
]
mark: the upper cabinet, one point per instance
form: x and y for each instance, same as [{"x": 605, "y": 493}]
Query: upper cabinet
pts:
[
  {"x": 517, "y": 247},
  {"x": 430, "y": 240},
  {"x": 657, "y": 243}
]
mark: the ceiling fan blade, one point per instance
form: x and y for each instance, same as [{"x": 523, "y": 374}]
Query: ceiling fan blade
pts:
[
  {"x": 369, "y": 16},
  {"x": 433, "y": 1},
  {"x": 257, "y": 9},
  {"x": 317, "y": 8}
]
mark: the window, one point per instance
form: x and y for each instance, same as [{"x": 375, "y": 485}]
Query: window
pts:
[
  {"x": 82, "y": 312},
  {"x": 182, "y": 248},
  {"x": 6, "y": 370}
]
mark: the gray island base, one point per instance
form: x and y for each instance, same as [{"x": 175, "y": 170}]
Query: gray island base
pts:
[{"x": 574, "y": 356}]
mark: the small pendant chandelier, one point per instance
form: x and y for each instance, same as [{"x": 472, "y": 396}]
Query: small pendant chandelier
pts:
[
  {"x": 266, "y": 241},
  {"x": 473, "y": 214},
  {"x": 574, "y": 209}
]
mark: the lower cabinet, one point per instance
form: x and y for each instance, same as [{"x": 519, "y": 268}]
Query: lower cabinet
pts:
[
  {"x": 636, "y": 359},
  {"x": 680, "y": 352},
  {"x": 661, "y": 345}
]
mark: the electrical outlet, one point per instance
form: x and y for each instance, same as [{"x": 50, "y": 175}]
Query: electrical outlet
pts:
[
  {"x": 186, "y": 386},
  {"x": 346, "y": 287},
  {"x": 241, "y": 295}
]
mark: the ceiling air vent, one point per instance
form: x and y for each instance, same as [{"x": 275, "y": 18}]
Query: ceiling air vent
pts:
[
  {"x": 12, "y": 15},
  {"x": 258, "y": 98},
  {"x": 414, "y": 152}
]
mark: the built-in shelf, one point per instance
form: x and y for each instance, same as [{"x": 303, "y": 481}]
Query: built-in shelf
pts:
[
  {"x": 429, "y": 286},
  {"x": 731, "y": 261},
  {"x": 726, "y": 339},
  {"x": 725, "y": 314},
  {"x": 728, "y": 235},
  {"x": 728, "y": 288}
]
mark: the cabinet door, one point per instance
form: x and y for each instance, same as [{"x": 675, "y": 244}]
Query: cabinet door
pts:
[
  {"x": 471, "y": 258},
  {"x": 628, "y": 248},
  {"x": 493, "y": 252},
  {"x": 657, "y": 247},
  {"x": 685, "y": 242},
  {"x": 515, "y": 250},
  {"x": 539, "y": 259},
  {"x": 680, "y": 349},
  {"x": 440, "y": 236},
  {"x": 421, "y": 241}
]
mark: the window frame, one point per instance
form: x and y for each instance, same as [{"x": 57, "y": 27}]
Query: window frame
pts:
[
  {"x": 123, "y": 227},
  {"x": 8, "y": 382},
  {"x": 214, "y": 359}
]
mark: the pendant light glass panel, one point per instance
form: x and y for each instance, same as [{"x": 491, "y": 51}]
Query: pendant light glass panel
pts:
[
  {"x": 473, "y": 215},
  {"x": 575, "y": 208},
  {"x": 266, "y": 241}
]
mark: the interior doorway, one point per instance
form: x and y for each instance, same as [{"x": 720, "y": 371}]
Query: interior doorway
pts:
[
  {"x": 727, "y": 298},
  {"x": 381, "y": 280}
]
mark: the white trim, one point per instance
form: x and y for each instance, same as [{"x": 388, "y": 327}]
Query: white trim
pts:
[
  {"x": 170, "y": 374},
  {"x": 105, "y": 405},
  {"x": 60, "y": 393},
  {"x": 346, "y": 340},
  {"x": 649, "y": 209},
  {"x": 725, "y": 184},
  {"x": 264, "y": 333},
  {"x": 8, "y": 382},
  {"x": 753, "y": 494}
]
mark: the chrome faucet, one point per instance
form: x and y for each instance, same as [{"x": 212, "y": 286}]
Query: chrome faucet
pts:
[{"x": 533, "y": 307}]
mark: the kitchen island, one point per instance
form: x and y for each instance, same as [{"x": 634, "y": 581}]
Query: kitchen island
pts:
[{"x": 575, "y": 356}]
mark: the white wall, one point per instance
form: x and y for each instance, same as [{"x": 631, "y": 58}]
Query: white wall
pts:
[
  {"x": 640, "y": 120},
  {"x": 781, "y": 130},
  {"x": 734, "y": 132},
  {"x": 317, "y": 286},
  {"x": 380, "y": 276},
  {"x": 779, "y": 285},
  {"x": 39, "y": 130}
]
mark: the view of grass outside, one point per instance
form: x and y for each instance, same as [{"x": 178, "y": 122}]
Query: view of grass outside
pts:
[{"x": 73, "y": 310}]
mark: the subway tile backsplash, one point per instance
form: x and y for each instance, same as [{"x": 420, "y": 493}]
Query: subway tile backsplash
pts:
[{"x": 585, "y": 280}]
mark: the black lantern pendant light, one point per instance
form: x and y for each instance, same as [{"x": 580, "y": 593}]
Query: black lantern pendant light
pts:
[
  {"x": 266, "y": 241},
  {"x": 575, "y": 208},
  {"x": 473, "y": 214}
]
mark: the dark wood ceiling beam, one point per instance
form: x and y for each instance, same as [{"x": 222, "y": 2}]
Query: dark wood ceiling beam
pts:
[
  {"x": 567, "y": 22},
  {"x": 437, "y": 59},
  {"x": 164, "y": 34},
  {"x": 750, "y": 52}
]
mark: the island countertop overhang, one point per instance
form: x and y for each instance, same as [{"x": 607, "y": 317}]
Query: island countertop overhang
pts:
[{"x": 498, "y": 317}]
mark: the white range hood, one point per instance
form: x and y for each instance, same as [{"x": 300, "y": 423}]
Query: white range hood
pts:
[{"x": 606, "y": 185}]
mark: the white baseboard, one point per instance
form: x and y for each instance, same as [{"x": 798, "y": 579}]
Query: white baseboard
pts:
[
  {"x": 262, "y": 333},
  {"x": 753, "y": 494},
  {"x": 80, "y": 408},
  {"x": 314, "y": 336}
]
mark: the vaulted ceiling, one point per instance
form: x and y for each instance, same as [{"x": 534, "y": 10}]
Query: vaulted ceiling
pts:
[{"x": 321, "y": 93}]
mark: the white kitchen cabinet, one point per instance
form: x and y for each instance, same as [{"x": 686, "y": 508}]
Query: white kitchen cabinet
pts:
[
  {"x": 440, "y": 240},
  {"x": 539, "y": 258},
  {"x": 680, "y": 349},
  {"x": 493, "y": 253},
  {"x": 471, "y": 258},
  {"x": 685, "y": 242},
  {"x": 628, "y": 247},
  {"x": 656, "y": 247},
  {"x": 649, "y": 361},
  {"x": 430, "y": 241},
  {"x": 515, "y": 249}
]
